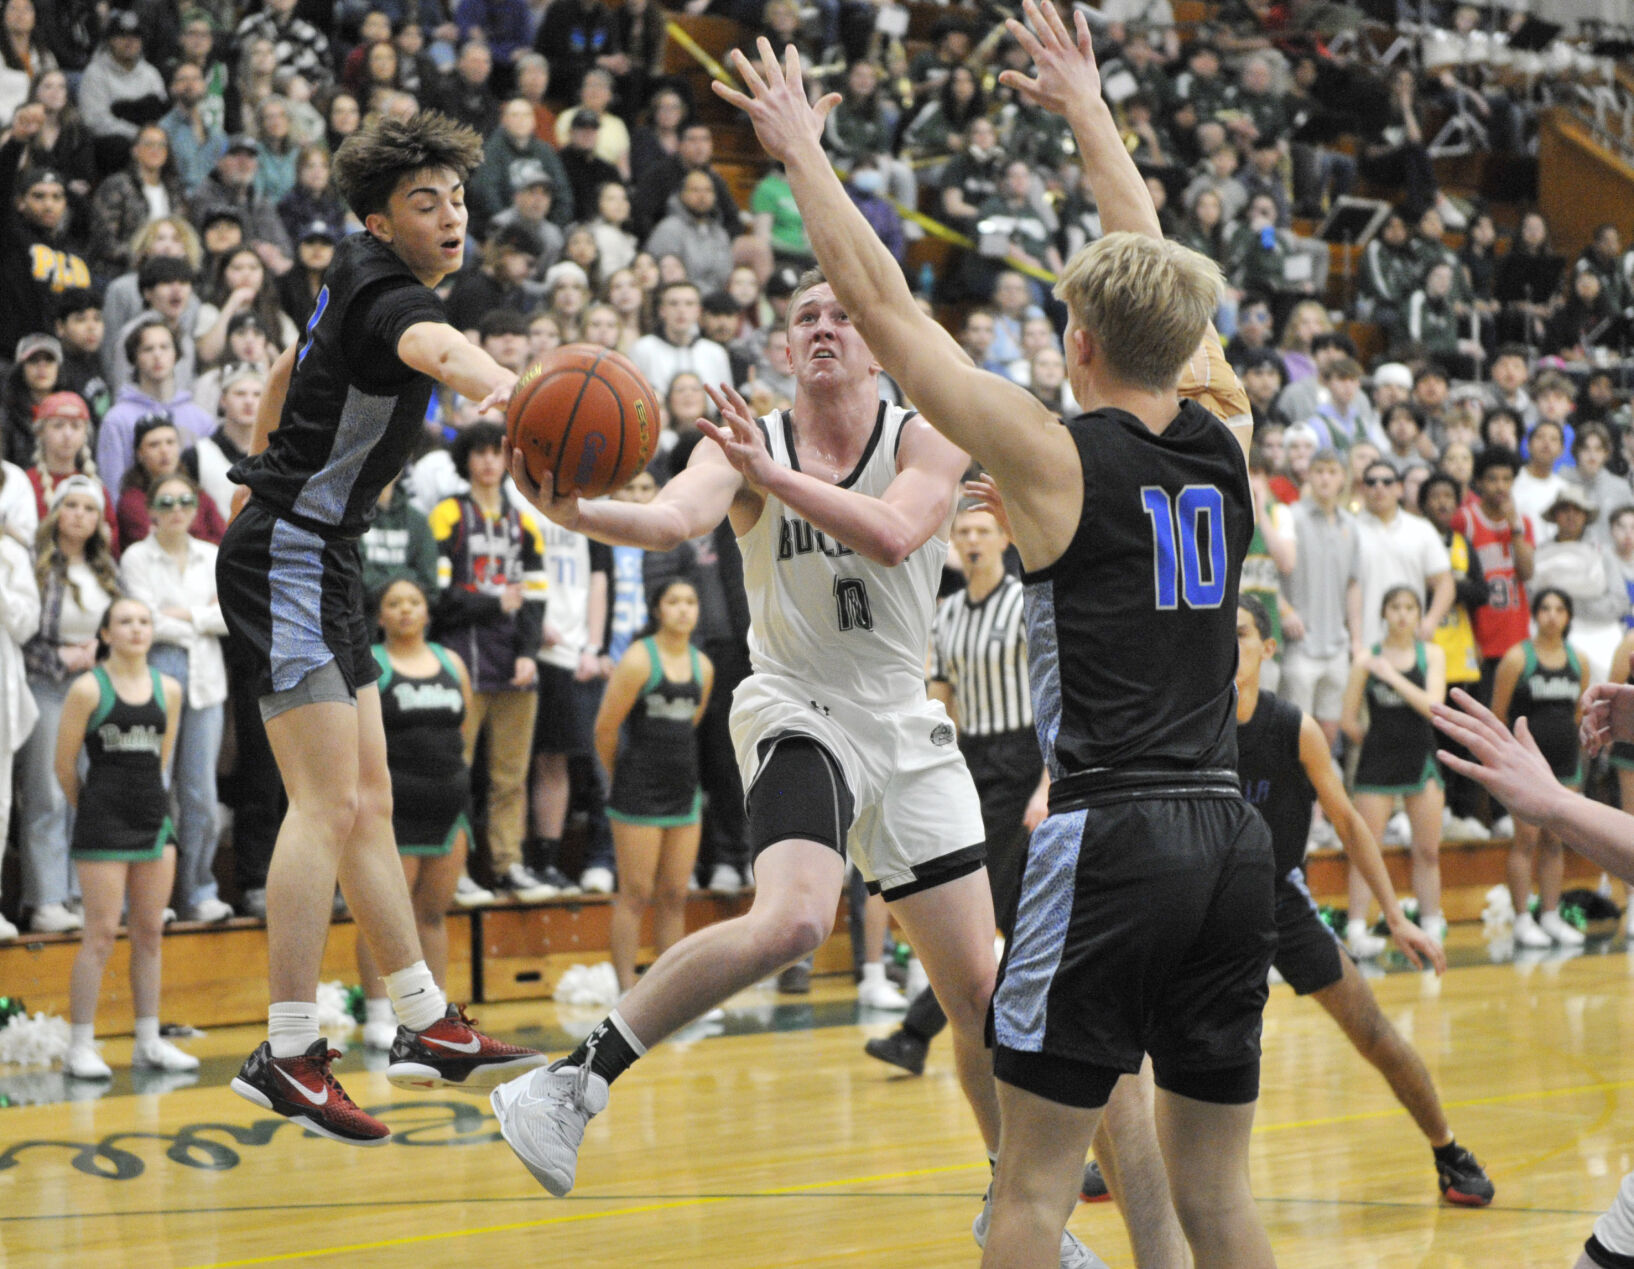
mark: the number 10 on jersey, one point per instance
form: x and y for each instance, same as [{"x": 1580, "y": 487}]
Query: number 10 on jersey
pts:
[{"x": 1185, "y": 529}]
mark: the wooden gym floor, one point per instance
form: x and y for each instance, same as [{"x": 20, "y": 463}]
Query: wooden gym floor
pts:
[{"x": 780, "y": 1143}]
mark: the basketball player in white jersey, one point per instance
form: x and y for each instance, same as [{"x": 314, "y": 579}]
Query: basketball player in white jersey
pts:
[{"x": 842, "y": 507}]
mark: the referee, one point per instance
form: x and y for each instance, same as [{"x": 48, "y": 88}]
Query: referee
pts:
[{"x": 979, "y": 672}]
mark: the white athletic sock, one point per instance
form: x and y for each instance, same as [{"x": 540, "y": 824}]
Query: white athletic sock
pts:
[
  {"x": 147, "y": 1032},
  {"x": 378, "y": 1009},
  {"x": 82, "y": 1035},
  {"x": 418, "y": 1001},
  {"x": 873, "y": 971},
  {"x": 292, "y": 1027}
]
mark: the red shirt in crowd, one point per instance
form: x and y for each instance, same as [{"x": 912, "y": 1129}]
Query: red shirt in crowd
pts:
[{"x": 1504, "y": 620}]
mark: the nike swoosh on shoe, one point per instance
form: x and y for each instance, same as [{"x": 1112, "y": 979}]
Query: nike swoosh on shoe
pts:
[
  {"x": 472, "y": 1045},
  {"x": 316, "y": 1099}
]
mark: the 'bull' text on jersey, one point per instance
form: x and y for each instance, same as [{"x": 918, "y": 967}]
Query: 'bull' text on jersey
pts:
[{"x": 823, "y": 614}]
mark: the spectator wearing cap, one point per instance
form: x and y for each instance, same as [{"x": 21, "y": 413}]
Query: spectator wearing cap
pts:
[
  {"x": 1586, "y": 569},
  {"x": 222, "y": 229},
  {"x": 35, "y": 260},
  {"x": 695, "y": 152},
  {"x": 533, "y": 194},
  {"x": 209, "y": 459},
  {"x": 301, "y": 47},
  {"x": 78, "y": 579},
  {"x": 120, "y": 90},
  {"x": 62, "y": 448},
  {"x": 35, "y": 374},
  {"x": 151, "y": 348},
  {"x": 678, "y": 344},
  {"x": 147, "y": 188},
  {"x": 157, "y": 445},
  {"x": 612, "y": 143},
  {"x": 586, "y": 170},
  {"x": 298, "y": 289},
  {"x": 694, "y": 233},
  {"x": 231, "y": 185},
  {"x": 508, "y": 259},
  {"x": 314, "y": 196},
  {"x": 504, "y": 156},
  {"x": 196, "y": 138},
  {"x": 166, "y": 285},
  {"x": 79, "y": 330}
]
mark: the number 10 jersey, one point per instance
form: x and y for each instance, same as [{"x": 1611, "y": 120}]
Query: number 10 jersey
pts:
[{"x": 822, "y": 614}]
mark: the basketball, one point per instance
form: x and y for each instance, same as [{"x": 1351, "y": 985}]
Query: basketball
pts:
[{"x": 584, "y": 419}]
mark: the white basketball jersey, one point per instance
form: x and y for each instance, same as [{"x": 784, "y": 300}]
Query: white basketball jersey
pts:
[{"x": 824, "y": 615}]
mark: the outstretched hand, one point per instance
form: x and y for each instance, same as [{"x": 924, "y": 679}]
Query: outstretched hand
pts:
[
  {"x": 1608, "y": 715},
  {"x": 560, "y": 509},
  {"x": 1065, "y": 78},
  {"x": 1510, "y": 767},
  {"x": 738, "y": 435},
  {"x": 776, "y": 101},
  {"x": 1418, "y": 947},
  {"x": 984, "y": 491}
]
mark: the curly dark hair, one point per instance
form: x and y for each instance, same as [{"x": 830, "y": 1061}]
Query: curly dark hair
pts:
[{"x": 371, "y": 161}]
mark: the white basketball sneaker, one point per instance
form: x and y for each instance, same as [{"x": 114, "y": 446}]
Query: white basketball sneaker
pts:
[
  {"x": 542, "y": 1117},
  {"x": 1074, "y": 1254}
]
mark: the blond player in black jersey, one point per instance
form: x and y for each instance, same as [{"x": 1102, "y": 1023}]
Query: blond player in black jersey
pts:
[{"x": 1133, "y": 522}]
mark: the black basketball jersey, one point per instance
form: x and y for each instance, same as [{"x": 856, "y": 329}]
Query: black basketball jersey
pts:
[
  {"x": 123, "y": 807},
  {"x": 1274, "y": 779},
  {"x": 354, "y": 410},
  {"x": 1132, "y": 632}
]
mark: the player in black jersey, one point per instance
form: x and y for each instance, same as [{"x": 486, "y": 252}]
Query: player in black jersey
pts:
[
  {"x": 341, "y": 411},
  {"x": 1285, "y": 766},
  {"x": 1145, "y": 916}
]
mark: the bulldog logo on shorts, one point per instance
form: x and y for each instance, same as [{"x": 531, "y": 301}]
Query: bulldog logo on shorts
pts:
[{"x": 942, "y": 734}]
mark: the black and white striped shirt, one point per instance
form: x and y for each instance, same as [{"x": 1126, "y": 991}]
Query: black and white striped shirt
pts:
[{"x": 980, "y": 650}]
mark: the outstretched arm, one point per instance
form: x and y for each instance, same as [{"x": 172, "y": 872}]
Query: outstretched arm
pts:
[
  {"x": 1004, "y": 426},
  {"x": 1512, "y": 769},
  {"x": 1360, "y": 848},
  {"x": 886, "y": 529},
  {"x": 692, "y": 504}
]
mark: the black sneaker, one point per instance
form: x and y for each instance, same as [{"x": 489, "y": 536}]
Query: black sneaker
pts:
[
  {"x": 452, "y": 1052},
  {"x": 899, "y": 1049},
  {"x": 1464, "y": 1181},
  {"x": 795, "y": 980},
  {"x": 305, "y": 1090},
  {"x": 1093, "y": 1187},
  {"x": 554, "y": 876}
]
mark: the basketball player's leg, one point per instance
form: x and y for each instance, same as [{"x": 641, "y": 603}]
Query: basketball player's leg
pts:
[
  {"x": 1424, "y": 814},
  {"x": 950, "y": 927},
  {"x": 1131, "y": 1162},
  {"x": 1041, "y": 1162},
  {"x": 1351, "y": 1003},
  {"x": 1205, "y": 1148},
  {"x": 1611, "y": 1245},
  {"x": 316, "y": 748},
  {"x": 797, "y": 890}
]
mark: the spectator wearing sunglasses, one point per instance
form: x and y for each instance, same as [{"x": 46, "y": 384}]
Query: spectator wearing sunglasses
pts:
[
  {"x": 159, "y": 454},
  {"x": 1397, "y": 550},
  {"x": 174, "y": 573}
]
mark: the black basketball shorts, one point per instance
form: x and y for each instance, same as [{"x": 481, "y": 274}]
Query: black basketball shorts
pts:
[
  {"x": 1309, "y": 955},
  {"x": 1145, "y": 925},
  {"x": 293, "y": 602}
]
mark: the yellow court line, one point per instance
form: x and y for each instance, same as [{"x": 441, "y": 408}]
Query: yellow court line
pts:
[{"x": 842, "y": 1182}]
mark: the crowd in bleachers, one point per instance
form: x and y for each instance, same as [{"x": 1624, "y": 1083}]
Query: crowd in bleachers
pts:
[{"x": 169, "y": 214}]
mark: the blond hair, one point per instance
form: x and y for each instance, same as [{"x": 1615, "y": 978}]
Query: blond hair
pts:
[{"x": 1146, "y": 302}]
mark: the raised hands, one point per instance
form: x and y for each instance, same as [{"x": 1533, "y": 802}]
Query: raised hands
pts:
[
  {"x": 738, "y": 434},
  {"x": 776, "y": 101},
  {"x": 1608, "y": 715},
  {"x": 1065, "y": 79}
]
